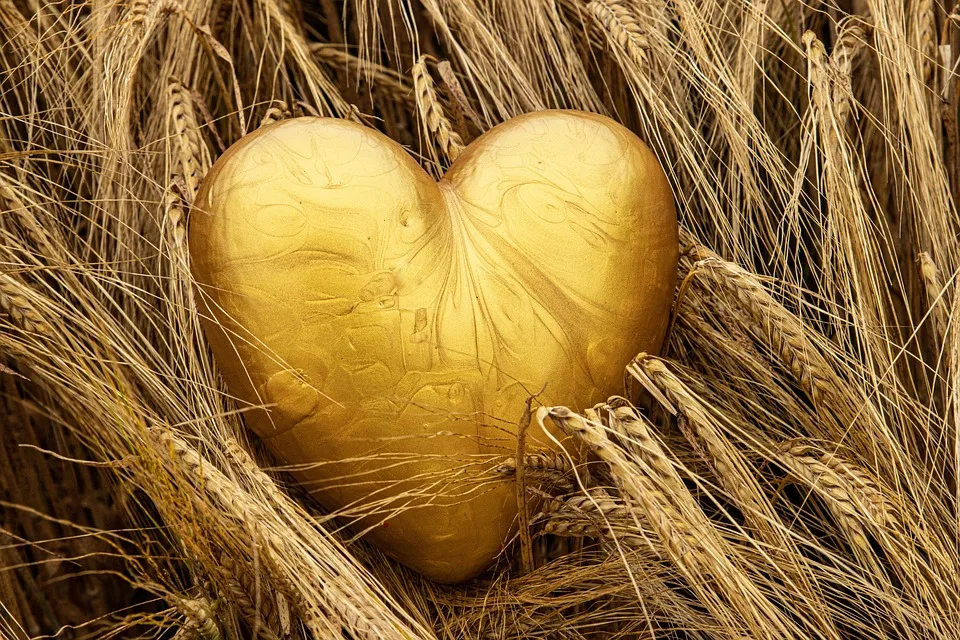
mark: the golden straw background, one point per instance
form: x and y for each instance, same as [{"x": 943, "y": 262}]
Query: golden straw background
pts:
[{"x": 792, "y": 471}]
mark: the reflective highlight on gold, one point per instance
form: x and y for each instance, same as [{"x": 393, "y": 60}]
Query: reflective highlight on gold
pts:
[{"x": 394, "y": 325}]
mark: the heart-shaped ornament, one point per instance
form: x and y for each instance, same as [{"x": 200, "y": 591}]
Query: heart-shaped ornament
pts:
[{"x": 391, "y": 327}]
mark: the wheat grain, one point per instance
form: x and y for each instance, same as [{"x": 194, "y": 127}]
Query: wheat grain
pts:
[
  {"x": 194, "y": 158},
  {"x": 138, "y": 10},
  {"x": 783, "y": 333},
  {"x": 593, "y": 516},
  {"x": 431, "y": 113},
  {"x": 732, "y": 470},
  {"x": 460, "y": 100},
  {"x": 200, "y": 618},
  {"x": 261, "y": 480},
  {"x": 926, "y": 30},
  {"x": 15, "y": 301},
  {"x": 549, "y": 468},
  {"x": 276, "y": 114},
  {"x": 853, "y": 502},
  {"x": 42, "y": 237},
  {"x": 851, "y": 490},
  {"x": 935, "y": 292},
  {"x": 685, "y": 546},
  {"x": 623, "y": 27},
  {"x": 174, "y": 221},
  {"x": 851, "y": 36},
  {"x": 265, "y": 618}
]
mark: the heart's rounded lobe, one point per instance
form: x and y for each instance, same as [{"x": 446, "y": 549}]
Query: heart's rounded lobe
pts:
[{"x": 383, "y": 330}]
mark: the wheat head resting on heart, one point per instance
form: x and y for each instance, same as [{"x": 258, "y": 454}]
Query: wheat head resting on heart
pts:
[{"x": 383, "y": 330}]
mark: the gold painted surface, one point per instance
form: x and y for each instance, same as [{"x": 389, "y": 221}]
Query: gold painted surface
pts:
[{"x": 395, "y": 325}]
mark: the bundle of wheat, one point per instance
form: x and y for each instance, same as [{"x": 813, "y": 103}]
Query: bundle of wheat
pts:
[{"x": 791, "y": 468}]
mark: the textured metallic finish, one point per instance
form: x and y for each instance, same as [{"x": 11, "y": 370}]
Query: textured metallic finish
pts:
[{"x": 393, "y": 326}]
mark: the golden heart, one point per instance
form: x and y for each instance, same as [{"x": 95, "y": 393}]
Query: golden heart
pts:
[{"x": 391, "y": 327}]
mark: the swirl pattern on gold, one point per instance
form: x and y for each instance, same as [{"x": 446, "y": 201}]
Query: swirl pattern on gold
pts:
[{"x": 393, "y": 326}]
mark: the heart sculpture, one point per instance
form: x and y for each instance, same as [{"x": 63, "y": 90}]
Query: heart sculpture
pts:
[{"x": 384, "y": 330}]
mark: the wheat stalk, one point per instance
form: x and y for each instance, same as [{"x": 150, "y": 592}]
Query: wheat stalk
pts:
[
  {"x": 820, "y": 168},
  {"x": 15, "y": 301},
  {"x": 622, "y": 26},
  {"x": 686, "y": 547},
  {"x": 42, "y": 237},
  {"x": 201, "y": 619},
  {"x": 265, "y": 618},
  {"x": 431, "y": 113},
  {"x": 194, "y": 157},
  {"x": 252, "y": 515},
  {"x": 680, "y": 527},
  {"x": 783, "y": 333},
  {"x": 548, "y": 468},
  {"x": 731, "y": 468},
  {"x": 852, "y": 493}
]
